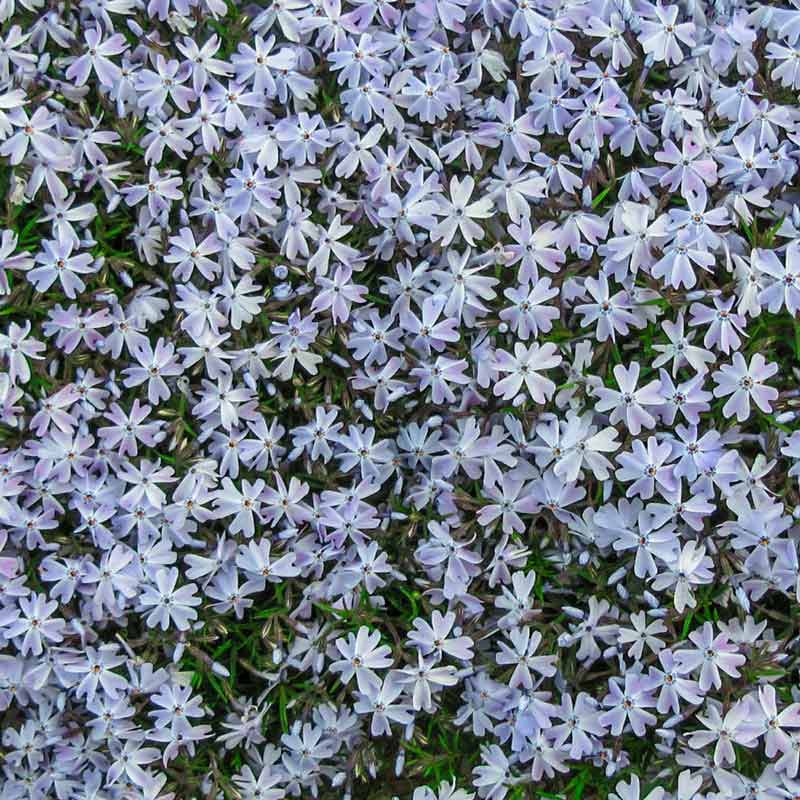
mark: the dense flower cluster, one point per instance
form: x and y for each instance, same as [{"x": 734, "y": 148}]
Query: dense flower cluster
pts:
[{"x": 399, "y": 389}]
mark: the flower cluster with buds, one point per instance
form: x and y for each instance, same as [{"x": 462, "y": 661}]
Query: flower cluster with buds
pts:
[{"x": 399, "y": 398}]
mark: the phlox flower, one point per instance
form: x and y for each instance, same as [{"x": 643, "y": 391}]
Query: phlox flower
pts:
[
  {"x": 742, "y": 382},
  {"x": 524, "y": 367},
  {"x": 629, "y": 402}
]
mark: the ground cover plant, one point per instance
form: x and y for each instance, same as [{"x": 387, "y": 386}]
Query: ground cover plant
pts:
[{"x": 399, "y": 399}]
